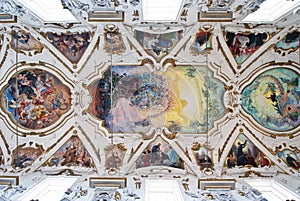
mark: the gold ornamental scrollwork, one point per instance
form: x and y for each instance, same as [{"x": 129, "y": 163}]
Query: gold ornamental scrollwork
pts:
[{"x": 170, "y": 136}]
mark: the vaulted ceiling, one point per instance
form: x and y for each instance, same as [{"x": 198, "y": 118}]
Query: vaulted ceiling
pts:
[{"x": 94, "y": 86}]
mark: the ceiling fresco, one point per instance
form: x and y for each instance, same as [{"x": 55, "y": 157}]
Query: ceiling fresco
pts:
[
  {"x": 272, "y": 99},
  {"x": 244, "y": 153},
  {"x": 158, "y": 45},
  {"x": 203, "y": 156},
  {"x": 24, "y": 42},
  {"x": 290, "y": 42},
  {"x": 290, "y": 158},
  {"x": 24, "y": 156},
  {"x": 159, "y": 153},
  {"x": 243, "y": 45},
  {"x": 35, "y": 98},
  {"x": 72, "y": 153},
  {"x": 202, "y": 43},
  {"x": 140, "y": 100},
  {"x": 114, "y": 156},
  {"x": 114, "y": 43},
  {"x": 111, "y": 95},
  {"x": 72, "y": 46}
]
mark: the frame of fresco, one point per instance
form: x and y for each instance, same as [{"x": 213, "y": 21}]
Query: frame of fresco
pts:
[
  {"x": 39, "y": 66},
  {"x": 153, "y": 75}
]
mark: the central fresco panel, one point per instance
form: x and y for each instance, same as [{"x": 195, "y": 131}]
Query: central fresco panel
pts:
[{"x": 140, "y": 100}]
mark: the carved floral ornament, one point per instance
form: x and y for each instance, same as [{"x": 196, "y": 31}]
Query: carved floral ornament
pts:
[{"x": 9, "y": 6}]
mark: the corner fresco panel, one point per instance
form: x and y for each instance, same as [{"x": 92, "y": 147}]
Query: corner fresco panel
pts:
[
  {"x": 25, "y": 156},
  {"x": 273, "y": 99},
  {"x": 159, "y": 153},
  {"x": 36, "y": 99},
  {"x": 203, "y": 157},
  {"x": 72, "y": 153},
  {"x": 72, "y": 46},
  {"x": 292, "y": 159},
  {"x": 24, "y": 41},
  {"x": 245, "y": 153},
  {"x": 158, "y": 45},
  {"x": 202, "y": 43},
  {"x": 175, "y": 99},
  {"x": 290, "y": 41},
  {"x": 114, "y": 156},
  {"x": 114, "y": 43},
  {"x": 244, "y": 45}
]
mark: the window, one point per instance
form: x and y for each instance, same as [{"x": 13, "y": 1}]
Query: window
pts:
[
  {"x": 162, "y": 190},
  {"x": 273, "y": 190},
  {"x": 49, "y": 189},
  {"x": 161, "y": 10},
  {"x": 49, "y": 10},
  {"x": 272, "y": 10}
]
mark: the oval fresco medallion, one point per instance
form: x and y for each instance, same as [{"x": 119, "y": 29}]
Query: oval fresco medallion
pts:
[
  {"x": 35, "y": 99},
  {"x": 273, "y": 99},
  {"x": 140, "y": 100}
]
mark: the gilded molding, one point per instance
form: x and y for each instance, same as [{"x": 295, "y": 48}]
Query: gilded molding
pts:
[
  {"x": 133, "y": 47},
  {"x": 284, "y": 52},
  {"x": 60, "y": 139},
  {"x": 5, "y": 143},
  {"x": 220, "y": 151},
  {"x": 169, "y": 60},
  {"x": 133, "y": 152},
  {"x": 256, "y": 58},
  {"x": 66, "y": 171},
  {"x": 225, "y": 56},
  {"x": 149, "y": 136},
  {"x": 183, "y": 151},
  {"x": 90, "y": 54},
  {"x": 91, "y": 143},
  {"x": 170, "y": 136},
  {"x": 261, "y": 143},
  {"x": 5, "y": 56},
  {"x": 251, "y": 172},
  {"x": 120, "y": 146},
  {"x": 219, "y": 68},
  {"x": 59, "y": 59},
  {"x": 147, "y": 61},
  {"x": 284, "y": 147}
]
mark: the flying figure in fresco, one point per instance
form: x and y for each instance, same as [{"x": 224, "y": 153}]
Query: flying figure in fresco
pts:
[
  {"x": 285, "y": 102},
  {"x": 292, "y": 162}
]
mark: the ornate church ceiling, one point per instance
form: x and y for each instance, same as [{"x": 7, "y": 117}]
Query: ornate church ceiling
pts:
[{"x": 106, "y": 92}]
